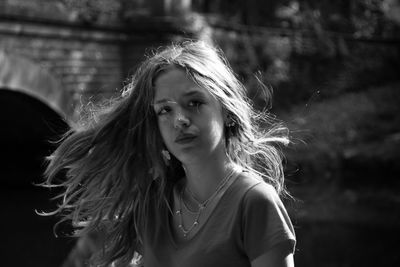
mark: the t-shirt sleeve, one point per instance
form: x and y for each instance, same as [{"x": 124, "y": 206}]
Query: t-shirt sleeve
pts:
[{"x": 265, "y": 222}]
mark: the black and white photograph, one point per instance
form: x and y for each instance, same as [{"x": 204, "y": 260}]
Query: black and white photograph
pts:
[{"x": 200, "y": 133}]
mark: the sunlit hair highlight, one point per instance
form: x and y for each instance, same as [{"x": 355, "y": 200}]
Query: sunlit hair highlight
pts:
[{"x": 112, "y": 161}]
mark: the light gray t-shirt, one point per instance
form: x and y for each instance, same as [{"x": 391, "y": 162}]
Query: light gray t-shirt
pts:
[{"x": 249, "y": 220}]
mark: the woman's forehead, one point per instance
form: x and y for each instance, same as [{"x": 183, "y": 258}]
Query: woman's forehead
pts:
[{"x": 176, "y": 82}]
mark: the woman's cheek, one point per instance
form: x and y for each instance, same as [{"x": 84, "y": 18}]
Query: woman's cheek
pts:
[{"x": 166, "y": 133}]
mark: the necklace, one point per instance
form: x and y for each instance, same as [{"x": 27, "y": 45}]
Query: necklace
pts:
[
  {"x": 201, "y": 205},
  {"x": 187, "y": 208}
]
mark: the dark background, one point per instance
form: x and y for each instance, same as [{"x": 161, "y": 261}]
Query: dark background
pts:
[{"x": 333, "y": 67}]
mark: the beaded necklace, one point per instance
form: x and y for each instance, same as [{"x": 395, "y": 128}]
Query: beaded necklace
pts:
[{"x": 201, "y": 205}]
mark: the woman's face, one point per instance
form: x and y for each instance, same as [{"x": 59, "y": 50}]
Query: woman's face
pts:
[{"x": 190, "y": 119}]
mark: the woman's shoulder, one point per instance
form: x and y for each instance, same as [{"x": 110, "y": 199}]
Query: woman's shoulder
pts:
[
  {"x": 253, "y": 181},
  {"x": 256, "y": 189}
]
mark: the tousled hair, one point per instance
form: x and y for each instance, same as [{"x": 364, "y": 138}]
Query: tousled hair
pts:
[{"x": 113, "y": 169}]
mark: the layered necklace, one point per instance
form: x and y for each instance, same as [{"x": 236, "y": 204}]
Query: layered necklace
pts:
[{"x": 201, "y": 205}]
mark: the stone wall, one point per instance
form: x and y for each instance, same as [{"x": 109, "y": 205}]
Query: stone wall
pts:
[{"x": 89, "y": 61}]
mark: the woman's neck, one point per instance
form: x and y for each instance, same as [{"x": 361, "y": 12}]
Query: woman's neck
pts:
[{"x": 203, "y": 178}]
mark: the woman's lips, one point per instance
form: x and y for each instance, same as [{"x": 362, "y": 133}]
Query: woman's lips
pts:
[{"x": 184, "y": 138}]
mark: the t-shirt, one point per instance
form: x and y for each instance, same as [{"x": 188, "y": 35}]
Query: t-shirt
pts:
[{"x": 248, "y": 220}]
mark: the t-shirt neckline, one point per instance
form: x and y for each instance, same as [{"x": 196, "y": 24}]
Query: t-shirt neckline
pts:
[{"x": 178, "y": 244}]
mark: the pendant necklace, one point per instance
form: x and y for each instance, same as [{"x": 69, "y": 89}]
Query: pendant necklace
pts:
[{"x": 201, "y": 205}]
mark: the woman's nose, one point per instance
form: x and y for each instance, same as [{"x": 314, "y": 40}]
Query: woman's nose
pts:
[{"x": 181, "y": 121}]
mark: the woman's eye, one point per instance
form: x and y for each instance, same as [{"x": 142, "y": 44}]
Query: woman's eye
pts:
[
  {"x": 163, "y": 111},
  {"x": 195, "y": 103}
]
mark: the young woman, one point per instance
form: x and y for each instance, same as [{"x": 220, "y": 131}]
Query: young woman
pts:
[{"x": 180, "y": 169}]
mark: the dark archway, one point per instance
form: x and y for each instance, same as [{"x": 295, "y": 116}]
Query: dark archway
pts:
[{"x": 27, "y": 125}]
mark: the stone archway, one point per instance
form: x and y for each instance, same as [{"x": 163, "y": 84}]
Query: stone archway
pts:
[
  {"x": 29, "y": 129},
  {"x": 21, "y": 74},
  {"x": 27, "y": 125},
  {"x": 32, "y": 114}
]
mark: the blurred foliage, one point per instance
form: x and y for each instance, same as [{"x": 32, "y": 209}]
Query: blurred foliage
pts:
[
  {"x": 297, "y": 66},
  {"x": 362, "y": 18},
  {"x": 326, "y": 46},
  {"x": 332, "y": 133}
]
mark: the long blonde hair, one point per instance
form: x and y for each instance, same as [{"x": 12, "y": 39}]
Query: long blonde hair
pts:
[{"x": 115, "y": 172}]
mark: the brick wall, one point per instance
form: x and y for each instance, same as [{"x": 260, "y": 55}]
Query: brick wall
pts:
[{"x": 91, "y": 63}]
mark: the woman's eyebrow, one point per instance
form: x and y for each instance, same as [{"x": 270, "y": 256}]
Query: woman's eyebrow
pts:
[
  {"x": 162, "y": 101},
  {"x": 194, "y": 93}
]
